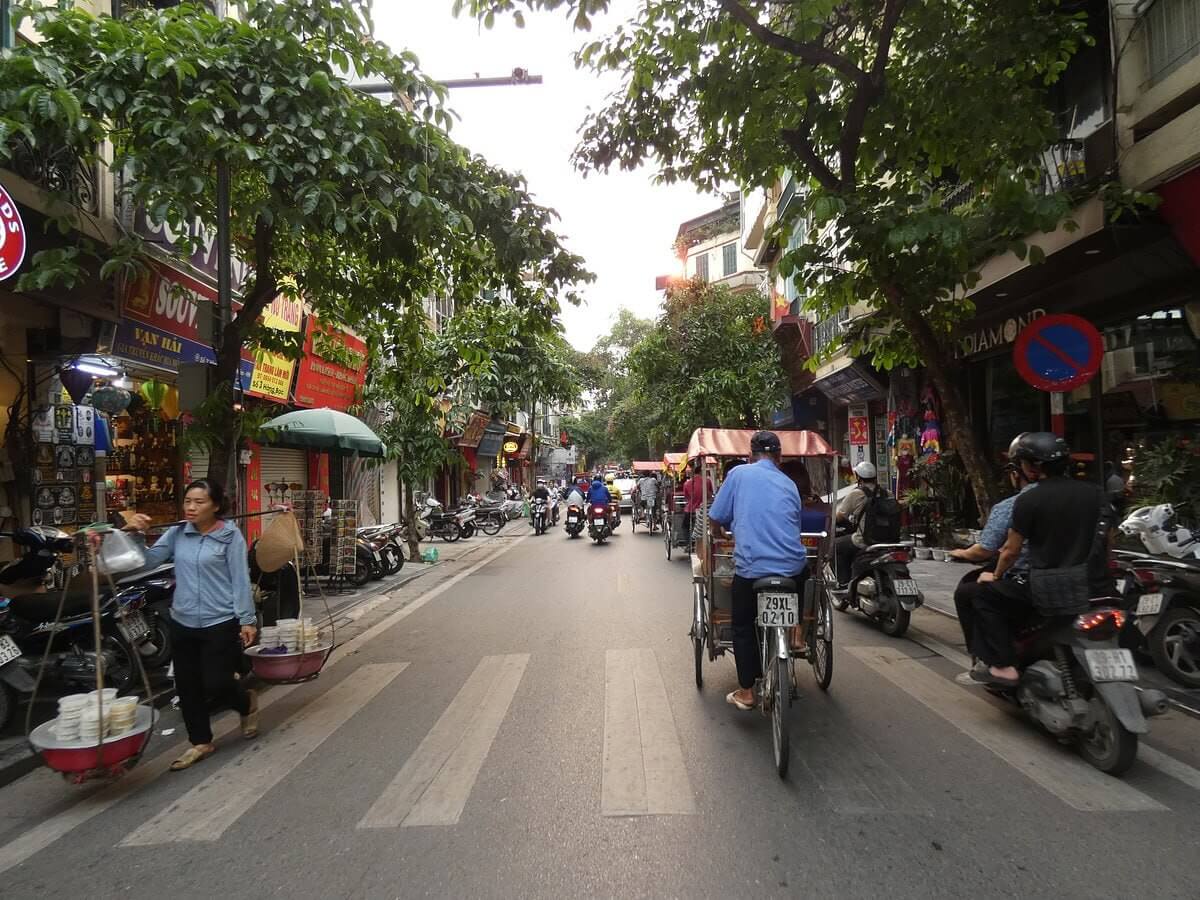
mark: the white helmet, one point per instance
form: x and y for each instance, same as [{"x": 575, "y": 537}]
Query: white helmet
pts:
[{"x": 865, "y": 471}]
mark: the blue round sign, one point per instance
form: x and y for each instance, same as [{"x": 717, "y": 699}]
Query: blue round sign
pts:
[{"x": 1058, "y": 352}]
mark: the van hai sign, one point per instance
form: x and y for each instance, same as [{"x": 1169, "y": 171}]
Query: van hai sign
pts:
[
  {"x": 12, "y": 236},
  {"x": 996, "y": 334}
]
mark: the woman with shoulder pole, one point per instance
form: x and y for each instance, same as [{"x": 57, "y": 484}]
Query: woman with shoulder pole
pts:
[{"x": 212, "y": 614}]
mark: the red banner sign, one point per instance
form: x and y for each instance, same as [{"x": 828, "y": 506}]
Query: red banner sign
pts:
[
  {"x": 329, "y": 382},
  {"x": 169, "y": 302},
  {"x": 12, "y": 236}
]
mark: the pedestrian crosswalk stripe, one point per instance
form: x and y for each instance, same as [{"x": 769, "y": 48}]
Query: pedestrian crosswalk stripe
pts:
[
  {"x": 1170, "y": 766},
  {"x": 206, "y": 811},
  {"x": 643, "y": 771},
  {"x": 434, "y": 784},
  {"x": 1069, "y": 778}
]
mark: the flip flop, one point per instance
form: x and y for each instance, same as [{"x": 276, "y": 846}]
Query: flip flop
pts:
[
  {"x": 732, "y": 699},
  {"x": 983, "y": 676},
  {"x": 190, "y": 757}
]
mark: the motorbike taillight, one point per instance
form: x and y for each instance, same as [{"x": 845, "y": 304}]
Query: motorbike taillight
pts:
[
  {"x": 1100, "y": 624},
  {"x": 900, "y": 556},
  {"x": 1147, "y": 578}
]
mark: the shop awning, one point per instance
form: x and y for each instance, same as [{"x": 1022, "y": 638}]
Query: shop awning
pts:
[
  {"x": 493, "y": 438},
  {"x": 850, "y": 381},
  {"x": 730, "y": 442}
]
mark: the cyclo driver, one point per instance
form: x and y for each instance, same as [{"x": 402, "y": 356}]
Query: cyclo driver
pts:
[{"x": 762, "y": 507}]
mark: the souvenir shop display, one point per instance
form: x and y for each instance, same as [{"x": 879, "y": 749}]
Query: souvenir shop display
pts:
[
  {"x": 345, "y": 526},
  {"x": 309, "y": 508}
]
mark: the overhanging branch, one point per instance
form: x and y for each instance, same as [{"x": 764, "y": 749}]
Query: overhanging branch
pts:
[{"x": 813, "y": 54}]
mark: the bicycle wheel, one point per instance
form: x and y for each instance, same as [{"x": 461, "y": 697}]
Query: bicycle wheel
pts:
[
  {"x": 491, "y": 524},
  {"x": 667, "y": 541},
  {"x": 698, "y": 636},
  {"x": 781, "y": 699},
  {"x": 820, "y": 648}
]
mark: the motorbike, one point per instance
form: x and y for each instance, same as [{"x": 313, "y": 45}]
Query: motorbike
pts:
[
  {"x": 539, "y": 515},
  {"x": 599, "y": 528},
  {"x": 490, "y": 516},
  {"x": 439, "y": 522},
  {"x": 882, "y": 588},
  {"x": 29, "y": 633},
  {"x": 1078, "y": 684},
  {"x": 1162, "y": 592},
  {"x": 614, "y": 514},
  {"x": 384, "y": 541},
  {"x": 575, "y": 523}
]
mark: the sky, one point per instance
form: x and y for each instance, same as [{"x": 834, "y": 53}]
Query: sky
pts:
[{"x": 621, "y": 223}]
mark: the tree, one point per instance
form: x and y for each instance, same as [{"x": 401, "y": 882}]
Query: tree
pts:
[
  {"x": 881, "y": 106},
  {"x": 359, "y": 207},
  {"x": 710, "y": 360}
]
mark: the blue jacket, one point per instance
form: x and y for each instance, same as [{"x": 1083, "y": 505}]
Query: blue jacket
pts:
[
  {"x": 598, "y": 493},
  {"x": 212, "y": 575},
  {"x": 762, "y": 507}
]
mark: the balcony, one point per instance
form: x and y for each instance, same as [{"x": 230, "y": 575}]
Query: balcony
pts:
[
  {"x": 1064, "y": 165},
  {"x": 61, "y": 172}
]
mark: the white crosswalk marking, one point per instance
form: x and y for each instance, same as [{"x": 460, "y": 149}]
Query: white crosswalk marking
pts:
[
  {"x": 643, "y": 770},
  {"x": 206, "y": 811},
  {"x": 1069, "y": 778},
  {"x": 433, "y": 786}
]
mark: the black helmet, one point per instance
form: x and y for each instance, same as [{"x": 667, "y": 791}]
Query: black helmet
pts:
[
  {"x": 765, "y": 442},
  {"x": 1038, "y": 447}
]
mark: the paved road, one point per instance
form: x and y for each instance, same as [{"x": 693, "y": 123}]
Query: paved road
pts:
[{"x": 528, "y": 726}]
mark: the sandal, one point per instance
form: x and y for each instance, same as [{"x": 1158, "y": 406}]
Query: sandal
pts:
[
  {"x": 731, "y": 698},
  {"x": 250, "y": 720},
  {"x": 190, "y": 757},
  {"x": 983, "y": 676}
]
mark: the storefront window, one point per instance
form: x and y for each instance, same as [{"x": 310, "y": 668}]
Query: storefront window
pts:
[{"x": 1012, "y": 405}]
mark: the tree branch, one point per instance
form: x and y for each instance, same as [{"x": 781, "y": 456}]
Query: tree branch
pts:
[
  {"x": 865, "y": 96},
  {"x": 800, "y": 141},
  {"x": 813, "y": 54}
]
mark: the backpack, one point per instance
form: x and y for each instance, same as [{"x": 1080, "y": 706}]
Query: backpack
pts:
[{"x": 880, "y": 522}]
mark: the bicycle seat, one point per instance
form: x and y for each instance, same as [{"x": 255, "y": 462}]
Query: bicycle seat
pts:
[
  {"x": 775, "y": 583},
  {"x": 881, "y": 547}
]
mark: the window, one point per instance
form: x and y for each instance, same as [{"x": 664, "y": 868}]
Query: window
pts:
[
  {"x": 1172, "y": 36},
  {"x": 6, "y": 30},
  {"x": 728, "y": 260},
  {"x": 702, "y": 266}
]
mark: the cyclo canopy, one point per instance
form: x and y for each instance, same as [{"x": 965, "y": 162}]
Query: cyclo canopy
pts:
[
  {"x": 734, "y": 442},
  {"x": 647, "y": 465}
]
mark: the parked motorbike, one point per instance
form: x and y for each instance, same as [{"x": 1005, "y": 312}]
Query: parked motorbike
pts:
[
  {"x": 441, "y": 523},
  {"x": 599, "y": 528},
  {"x": 490, "y": 516},
  {"x": 1163, "y": 591},
  {"x": 575, "y": 523},
  {"x": 881, "y": 588},
  {"x": 386, "y": 541},
  {"x": 539, "y": 515},
  {"x": 1078, "y": 684}
]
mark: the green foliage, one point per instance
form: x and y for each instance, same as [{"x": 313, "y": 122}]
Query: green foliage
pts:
[{"x": 1169, "y": 472}]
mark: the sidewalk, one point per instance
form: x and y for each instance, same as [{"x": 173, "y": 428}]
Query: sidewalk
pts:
[{"x": 16, "y": 758}]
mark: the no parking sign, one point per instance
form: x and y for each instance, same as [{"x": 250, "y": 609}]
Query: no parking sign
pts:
[{"x": 1058, "y": 352}]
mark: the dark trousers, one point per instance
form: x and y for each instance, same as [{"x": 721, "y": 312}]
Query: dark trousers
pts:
[
  {"x": 745, "y": 627},
  {"x": 844, "y": 551},
  {"x": 964, "y": 605},
  {"x": 999, "y": 608},
  {"x": 205, "y": 660}
]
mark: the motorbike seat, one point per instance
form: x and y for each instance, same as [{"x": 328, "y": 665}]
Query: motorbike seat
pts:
[
  {"x": 142, "y": 574},
  {"x": 775, "y": 583},
  {"x": 41, "y": 607},
  {"x": 879, "y": 548}
]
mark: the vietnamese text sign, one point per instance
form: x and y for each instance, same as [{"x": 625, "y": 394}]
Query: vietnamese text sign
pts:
[
  {"x": 324, "y": 382},
  {"x": 272, "y": 377}
]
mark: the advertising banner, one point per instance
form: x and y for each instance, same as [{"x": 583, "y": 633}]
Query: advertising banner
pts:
[
  {"x": 12, "y": 236},
  {"x": 272, "y": 376},
  {"x": 333, "y": 368}
]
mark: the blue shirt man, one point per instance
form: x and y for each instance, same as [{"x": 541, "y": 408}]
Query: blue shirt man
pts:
[{"x": 762, "y": 508}]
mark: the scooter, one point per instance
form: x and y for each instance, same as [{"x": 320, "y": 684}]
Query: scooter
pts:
[
  {"x": 1078, "y": 684},
  {"x": 614, "y": 514},
  {"x": 539, "y": 514},
  {"x": 386, "y": 540},
  {"x": 599, "y": 529},
  {"x": 882, "y": 588},
  {"x": 439, "y": 522},
  {"x": 575, "y": 523}
]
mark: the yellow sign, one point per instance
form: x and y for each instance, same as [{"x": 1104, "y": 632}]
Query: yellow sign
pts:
[
  {"x": 510, "y": 447},
  {"x": 272, "y": 377}
]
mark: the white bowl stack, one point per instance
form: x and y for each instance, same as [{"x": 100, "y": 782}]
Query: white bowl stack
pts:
[
  {"x": 90, "y": 726},
  {"x": 268, "y": 638},
  {"x": 308, "y": 636},
  {"x": 70, "y": 712},
  {"x": 288, "y": 635},
  {"x": 123, "y": 715}
]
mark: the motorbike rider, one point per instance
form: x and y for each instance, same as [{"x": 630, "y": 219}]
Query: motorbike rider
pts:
[
  {"x": 576, "y": 497},
  {"x": 984, "y": 553},
  {"x": 762, "y": 507},
  {"x": 1063, "y": 522},
  {"x": 541, "y": 492},
  {"x": 598, "y": 494},
  {"x": 850, "y": 512}
]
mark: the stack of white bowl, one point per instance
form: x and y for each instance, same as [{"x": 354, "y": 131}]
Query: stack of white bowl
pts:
[
  {"x": 308, "y": 635},
  {"x": 90, "y": 725},
  {"x": 123, "y": 715},
  {"x": 288, "y": 633},
  {"x": 70, "y": 711},
  {"x": 268, "y": 638}
]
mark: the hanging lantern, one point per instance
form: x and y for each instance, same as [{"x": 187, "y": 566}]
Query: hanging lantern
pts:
[
  {"x": 153, "y": 392},
  {"x": 76, "y": 382},
  {"x": 170, "y": 404},
  {"x": 111, "y": 399}
]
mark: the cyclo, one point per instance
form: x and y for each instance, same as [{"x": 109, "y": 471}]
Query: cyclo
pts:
[
  {"x": 791, "y": 627},
  {"x": 676, "y": 534},
  {"x": 645, "y": 513}
]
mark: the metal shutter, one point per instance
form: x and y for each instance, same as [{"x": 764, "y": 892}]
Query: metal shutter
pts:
[
  {"x": 284, "y": 464},
  {"x": 198, "y": 457}
]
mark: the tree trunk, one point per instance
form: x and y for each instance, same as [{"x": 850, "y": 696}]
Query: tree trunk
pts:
[
  {"x": 410, "y": 519},
  {"x": 956, "y": 419}
]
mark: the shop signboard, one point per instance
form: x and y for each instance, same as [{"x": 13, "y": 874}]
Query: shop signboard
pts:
[
  {"x": 12, "y": 236},
  {"x": 1058, "y": 352},
  {"x": 859, "y": 432},
  {"x": 204, "y": 259},
  {"x": 474, "y": 429},
  {"x": 170, "y": 302},
  {"x": 333, "y": 369},
  {"x": 161, "y": 350},
  {"x": 272, "y": 377}
]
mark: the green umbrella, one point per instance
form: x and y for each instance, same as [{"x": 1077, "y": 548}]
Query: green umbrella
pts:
[{"x": 323, "y": 429}]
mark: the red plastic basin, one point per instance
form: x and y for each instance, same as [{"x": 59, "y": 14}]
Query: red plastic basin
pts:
[
  {"x": 287, "y": 666},
  {"x": 67, "y": 757}
]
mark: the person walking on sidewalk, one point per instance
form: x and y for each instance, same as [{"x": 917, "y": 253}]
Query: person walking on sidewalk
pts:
[{"x": 212, "y": 614}]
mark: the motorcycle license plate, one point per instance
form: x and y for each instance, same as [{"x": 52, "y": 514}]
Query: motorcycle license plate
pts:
[
  {"x": 1111, "y": 665},
  {"x": 1149, "y": 604},
  {"x": 778, "y": 610},
  {"x": 905, "y": 587},
  {"x": 8, "y": 650},
  {"x": 571, "y": 520},
  {"x": 134, "y": 627}
]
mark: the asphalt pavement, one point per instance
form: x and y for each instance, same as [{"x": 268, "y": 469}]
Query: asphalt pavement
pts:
[{"x": 524, "y": 722}]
